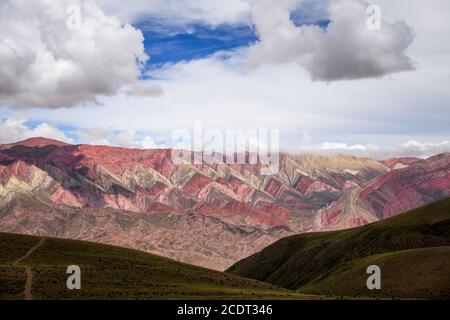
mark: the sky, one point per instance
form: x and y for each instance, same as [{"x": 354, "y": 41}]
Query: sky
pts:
[{"x": 333, "y": 76}]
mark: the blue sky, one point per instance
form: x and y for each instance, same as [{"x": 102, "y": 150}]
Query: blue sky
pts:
[
  {"x": 165, "y": 44},
  {"x": 199, "y": 42}
]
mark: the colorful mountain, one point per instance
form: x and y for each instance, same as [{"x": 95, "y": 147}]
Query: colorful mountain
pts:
[
  {"x": 208, "y": 215},
  {"x": 395, "y": 192}
]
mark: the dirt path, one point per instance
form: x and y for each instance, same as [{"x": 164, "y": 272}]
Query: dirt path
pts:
[{"x": 29, "y": 282}]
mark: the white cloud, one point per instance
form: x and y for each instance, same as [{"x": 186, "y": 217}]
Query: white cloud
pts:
[
  {"x": 95, "y": 136},
  {"x": 150, "y": 143},
  {"x": 411, "y": 148},
  {"x": 15, "y": 129},
  {"x": 124, "y": 138},
  {"x": 217, "y": 92},
  {"x": 180, "y": 12},
  {"x": 341, "y": 146},
  {"x": 143, "y": 89},
  {"x": 221, "y": 93},
  {"x": 44, "y": 63},
  {"x": 347, "y": 49}
]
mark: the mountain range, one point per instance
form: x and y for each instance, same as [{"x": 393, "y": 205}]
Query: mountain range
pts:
[
  {"x": 207, "y": 215},
  {"x": 412, "y": 251}
]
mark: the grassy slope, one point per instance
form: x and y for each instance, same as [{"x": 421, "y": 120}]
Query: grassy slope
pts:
[
  {"x": 412, "y": 250},
  {"x": 109, "y": 272},
  {"x": 414, "y": 273}
]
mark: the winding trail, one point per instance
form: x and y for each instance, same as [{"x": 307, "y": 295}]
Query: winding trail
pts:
[{"x": 29, "y": 282}]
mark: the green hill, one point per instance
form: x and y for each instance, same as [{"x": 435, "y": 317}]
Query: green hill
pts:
[
  {"x": 109, "y": 272},
  {"x": 412, "y": 250}
]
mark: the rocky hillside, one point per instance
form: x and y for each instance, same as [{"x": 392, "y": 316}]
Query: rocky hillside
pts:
[
  {"x": 397, "y": 191},
  {"x": 209, "y": 215}
]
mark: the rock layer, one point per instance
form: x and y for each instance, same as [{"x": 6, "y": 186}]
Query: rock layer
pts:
[{"x": 209, "y": 215}]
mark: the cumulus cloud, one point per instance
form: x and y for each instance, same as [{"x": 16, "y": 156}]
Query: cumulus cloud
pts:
[
  {"x": 142, "y": 89},
  {"x": 15, "y": 129},
  {"x": 345, "y": 49},
  {"x": 63, "y": 53},
  {"x": 217, "y": 91},
  {"x": 124, "y": 138},
  {"x": 411, "y": 148},
  {"x": 341, "y": 146},
  {"x": 180, "y": 12}
]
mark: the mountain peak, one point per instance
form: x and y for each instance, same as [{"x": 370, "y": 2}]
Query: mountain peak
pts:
[{"x": 39, "y": 142}]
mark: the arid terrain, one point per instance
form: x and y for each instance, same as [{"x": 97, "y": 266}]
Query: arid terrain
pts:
[{"x": 207, "y": 215}]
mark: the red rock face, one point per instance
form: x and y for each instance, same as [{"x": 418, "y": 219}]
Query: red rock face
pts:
[
  {"x": 45, "y": 183},
  {"x": 403, "y": 189},
  {"x": 304, "y": 182},
  {"x": 422, "y": 182}
]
